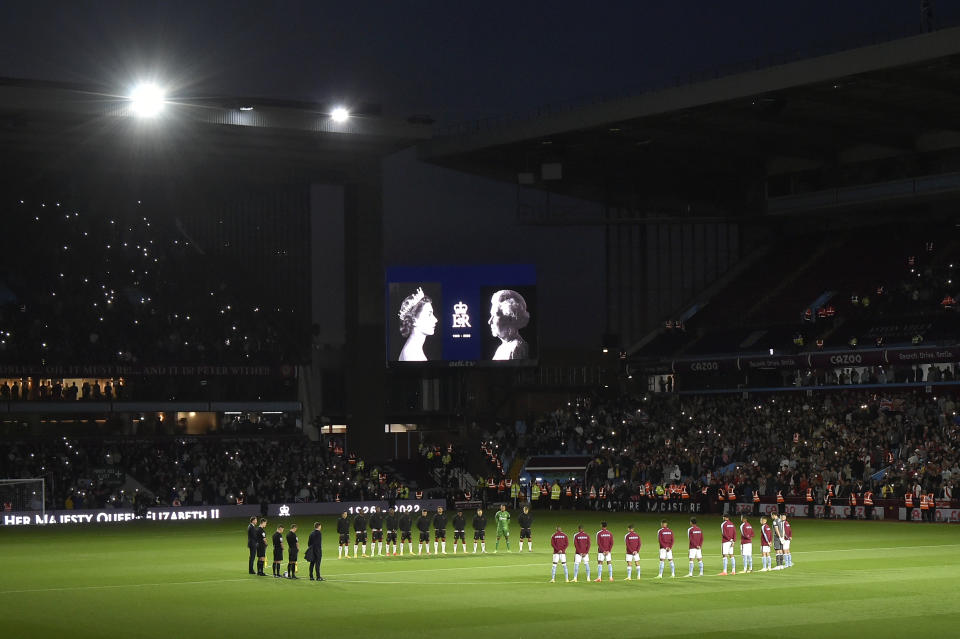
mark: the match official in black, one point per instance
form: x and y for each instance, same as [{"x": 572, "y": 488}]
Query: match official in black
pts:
[
  {"x": 293, "y": 552},
  {"x": 252, "y": 542},
  {"x": 277, "y": 551},
  {"x": 261, "y": 547},
  {"x": 315, "y": 551}
]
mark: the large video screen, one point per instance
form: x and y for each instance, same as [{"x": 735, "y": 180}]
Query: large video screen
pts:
[{"x": 449, "y": 314}]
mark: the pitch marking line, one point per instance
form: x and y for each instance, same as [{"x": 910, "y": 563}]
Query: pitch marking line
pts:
[{"x": 109, "y": 586}]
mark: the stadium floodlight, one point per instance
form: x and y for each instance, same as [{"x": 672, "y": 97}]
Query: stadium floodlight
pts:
[
  {"x": 147, "y": 100},
  {"x": 340, "y": 114}
]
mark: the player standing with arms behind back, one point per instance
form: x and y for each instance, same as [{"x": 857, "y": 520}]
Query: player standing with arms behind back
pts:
[
  {"x": 390, "y": 521},
  {"x": 359, "y": 533},
  {"x": 604, "y": 546},
  {"x": 526, "y": 521},
  {"x": 559, "y": 543},
  {"x": 406, "y": 524},
  {"x": 695, "y": 537},
  {"x": 728, "y": 535},
  {"x": 787, "y": 538},
  {"x": 746, "y": 543},
  {"x": 423, "y": 525},
  {"x": 480, "y": 531},
  {"x": 343, "y": 529},
  {"x": 665, "y": 537},
  {"x": 503, "y": 526},
  {"x": 459, "y": 531},
  {"x": 581, "y": 546},
  {"x": 440, "y": 531},
  {"x": 632, "y": 542},
  {"x": 765, "y": 536},
  {"x": 376, "y": 532},
  {"x": 777, "y": 540}
]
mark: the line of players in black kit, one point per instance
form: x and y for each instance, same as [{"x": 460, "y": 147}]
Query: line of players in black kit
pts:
[
  {"x": 257, "y": 544},
  {"x": 393, "y": 523},
  {"x": 401, "y": 525}
]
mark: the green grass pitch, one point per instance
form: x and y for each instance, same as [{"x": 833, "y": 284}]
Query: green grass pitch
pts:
[{"x": 850, "y": 579}]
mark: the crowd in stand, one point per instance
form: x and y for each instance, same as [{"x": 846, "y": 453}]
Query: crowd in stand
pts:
[
  {"x": 786, "y": 443},
  {"x": 90, "y": 473},
  {"x": 98, "y": 288},
  {"x": 56, "y": 390}
]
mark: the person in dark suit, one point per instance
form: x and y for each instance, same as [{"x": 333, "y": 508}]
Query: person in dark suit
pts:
[
  {"x": 252, "y": 536},
  {"x": 315, "y": 551}
]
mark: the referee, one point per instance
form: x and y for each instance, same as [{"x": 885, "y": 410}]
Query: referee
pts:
[
  {"x": 252, "y": 542},
  {"x": 293, "y": 551},
  {"x": 277, "y": 551},
  {"x": 315, "y": 551},
  {"x": 261, "y": 548}
]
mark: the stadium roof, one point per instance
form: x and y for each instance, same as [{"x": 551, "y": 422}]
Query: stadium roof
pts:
[
  {"x": 73, "y": 124},
  {"x": 715, "y": 140}
]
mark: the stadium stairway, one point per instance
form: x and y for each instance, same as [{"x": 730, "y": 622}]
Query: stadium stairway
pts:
[
  {"x": 792, "y": 277},
  {"x": 519, "y": 461}
]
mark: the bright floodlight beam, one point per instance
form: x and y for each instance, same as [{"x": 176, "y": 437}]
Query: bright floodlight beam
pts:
[
  {"x": 340, "y": 114},
  {"x": 147, "y": 100}
]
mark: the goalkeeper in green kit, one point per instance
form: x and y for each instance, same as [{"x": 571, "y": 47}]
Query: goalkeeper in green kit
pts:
[{"x": 503, "y": 526}]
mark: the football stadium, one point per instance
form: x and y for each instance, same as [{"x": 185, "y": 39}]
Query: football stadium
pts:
[{"x": 588, "y": 369}]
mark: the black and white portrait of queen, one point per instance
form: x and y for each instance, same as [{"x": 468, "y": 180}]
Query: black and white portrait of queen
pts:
[
  {"x": 508, "y": 316},
  {"x": 417, "y": 322}
]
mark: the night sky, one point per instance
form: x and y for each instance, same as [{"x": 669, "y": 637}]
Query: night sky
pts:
[{"x": 451, "y": 59}]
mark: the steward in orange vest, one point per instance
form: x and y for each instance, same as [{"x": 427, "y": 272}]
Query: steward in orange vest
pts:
[
  {"x": 780, "y": 499},
  {"x": 908, "y": 501},
  {"x": 756, "y": 497},
  {"x": 731, "y": 492},
  {"x": 809, "y": 495}
]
